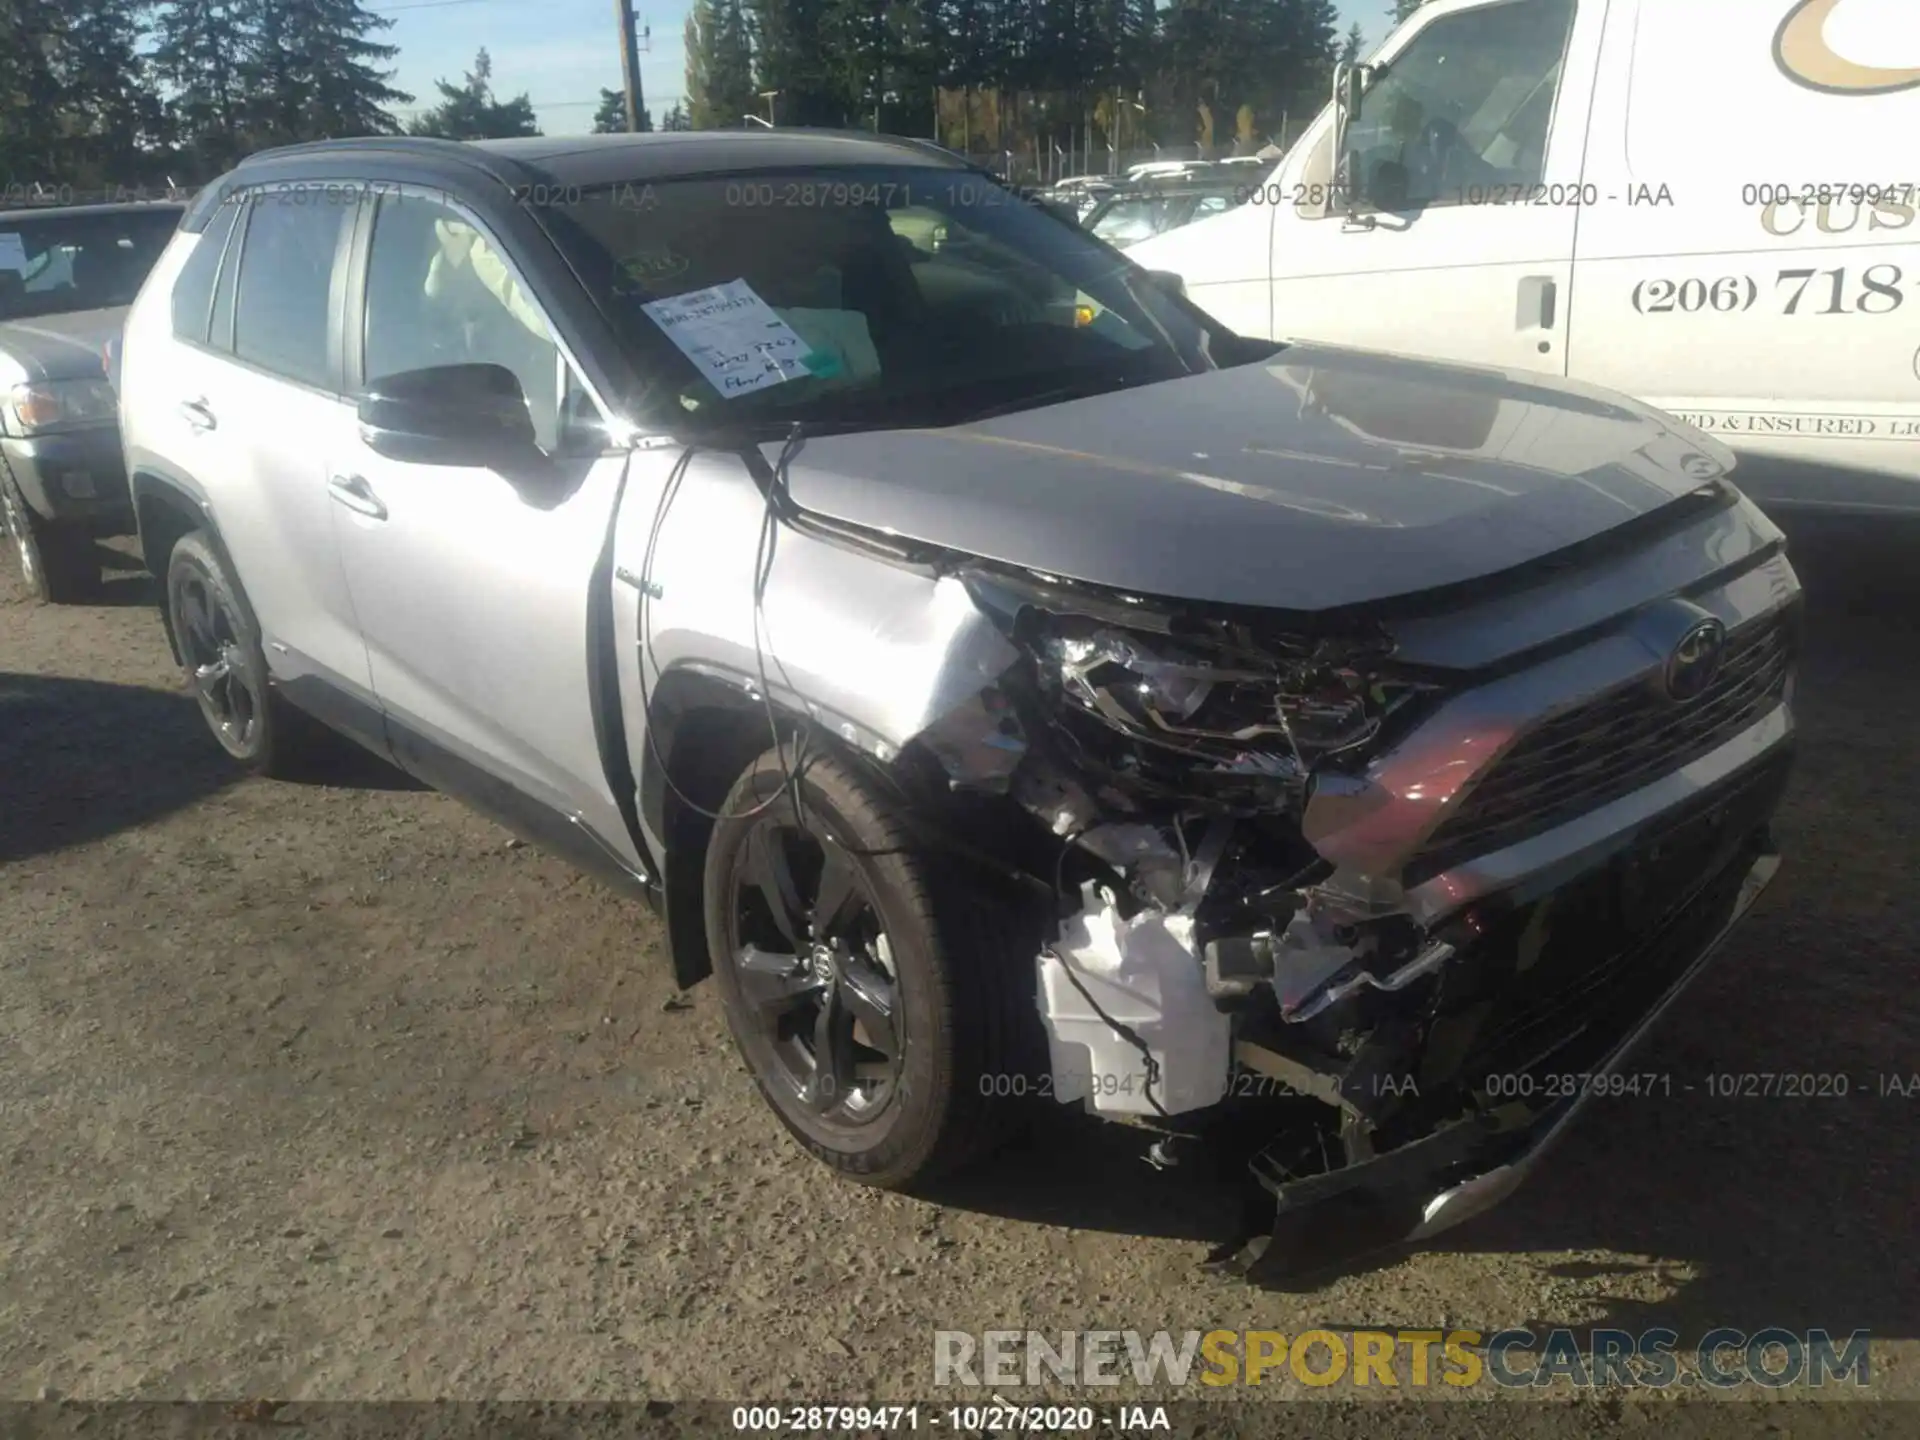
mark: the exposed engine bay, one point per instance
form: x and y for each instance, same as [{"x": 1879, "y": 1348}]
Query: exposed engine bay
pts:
[{"x": 1208, "y": 950}]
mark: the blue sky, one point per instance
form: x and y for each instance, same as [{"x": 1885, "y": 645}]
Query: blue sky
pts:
[{"x": 560, "y": 53}]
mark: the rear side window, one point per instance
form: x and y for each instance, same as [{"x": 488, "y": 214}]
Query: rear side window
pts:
[
  {"x": 193, "y": 289},
  {"x": 286, "y": 284}
]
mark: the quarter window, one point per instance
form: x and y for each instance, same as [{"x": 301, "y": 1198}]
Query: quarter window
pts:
[
  {"x": 440, "y": 293},
  {"x": 1465, "y": 108},
  {"x": 286, "y": 284},
  {"x": 193, "y": 290}
]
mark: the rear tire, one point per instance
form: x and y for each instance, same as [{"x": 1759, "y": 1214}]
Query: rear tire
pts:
[
  {"x": 58, "y": 565},
  {"x": 928, "y": 980},
  {"x": 226, "y": 667}
]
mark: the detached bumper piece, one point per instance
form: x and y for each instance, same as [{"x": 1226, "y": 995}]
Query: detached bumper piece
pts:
[{"x": 1429, "y": 1132}]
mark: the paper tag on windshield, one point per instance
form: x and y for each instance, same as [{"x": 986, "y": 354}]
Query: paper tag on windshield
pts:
[
  {"x": 739, "y": 344},
  {"x": 13, "y": 251}
]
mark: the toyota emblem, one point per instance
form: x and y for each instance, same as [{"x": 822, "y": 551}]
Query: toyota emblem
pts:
[{"x": 1695, "y": 662}]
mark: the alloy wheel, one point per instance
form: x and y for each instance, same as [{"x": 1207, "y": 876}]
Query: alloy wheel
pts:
[
  {"x": 22, "y": 541},
  {"x": 816, "y": 972},
  {"x": 224, "y": 678}
]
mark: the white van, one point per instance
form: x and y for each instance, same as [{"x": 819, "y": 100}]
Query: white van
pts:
[{"x": 1712, "y": 205}]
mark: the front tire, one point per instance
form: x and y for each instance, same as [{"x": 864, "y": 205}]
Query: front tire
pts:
[
  {"x": 226, "y": 667},
  {"x": 58, "y": 565},
  {"x": 876, "y": 999}
]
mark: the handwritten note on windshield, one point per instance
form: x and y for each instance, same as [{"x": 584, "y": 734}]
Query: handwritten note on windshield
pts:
[
  {"x": 733, "y": 336},
  {"x": 13, "y": 251}
]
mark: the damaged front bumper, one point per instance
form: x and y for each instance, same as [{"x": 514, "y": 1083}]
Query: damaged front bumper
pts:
[
  {"x": 1322, "y": 1222},
  {"x": 1543, "y": 865}
]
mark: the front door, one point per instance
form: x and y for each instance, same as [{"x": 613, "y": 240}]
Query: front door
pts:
[
  {"x": 1470, "y": 143},
  {"x": 473, "y": 586}
]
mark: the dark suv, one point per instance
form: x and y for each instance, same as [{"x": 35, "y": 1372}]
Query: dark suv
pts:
[{"x": 67, "y": 275}]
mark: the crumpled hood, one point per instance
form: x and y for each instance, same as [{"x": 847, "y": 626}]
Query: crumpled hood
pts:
[
  {"x": 1317, "y": 479},
  {"x": 57, "y": 347}
]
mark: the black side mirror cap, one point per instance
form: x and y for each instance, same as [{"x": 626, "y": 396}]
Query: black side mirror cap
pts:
[{"x": 448, "y": 415}]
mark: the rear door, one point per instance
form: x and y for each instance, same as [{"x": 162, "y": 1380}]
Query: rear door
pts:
[
  {"x": 475, "y": 590},
  {"x": 1760, "y": 273},
  {"x": 1472, "y": 140},
  {"x": 260, "y": 407}
]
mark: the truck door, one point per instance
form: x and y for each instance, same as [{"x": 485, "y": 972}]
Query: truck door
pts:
[
  {"x": 1468, "y": 148},
  {"x": 1759, "y": 271}
]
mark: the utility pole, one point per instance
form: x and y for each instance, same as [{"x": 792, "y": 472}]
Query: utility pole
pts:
[{"x": 630, "y": 64}]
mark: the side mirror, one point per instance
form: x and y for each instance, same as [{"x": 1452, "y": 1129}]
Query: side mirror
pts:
[
  {"x": 1350, "y": 85},
  {"x": 449, "y": 415},
  {"x": 1169, "y": 281}
]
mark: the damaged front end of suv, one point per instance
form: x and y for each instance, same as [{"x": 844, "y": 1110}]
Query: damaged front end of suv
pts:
[{"x": 1417, "y": 876}]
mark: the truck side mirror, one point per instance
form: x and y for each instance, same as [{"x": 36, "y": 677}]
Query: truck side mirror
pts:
[{"x": 1350, "y": 85}]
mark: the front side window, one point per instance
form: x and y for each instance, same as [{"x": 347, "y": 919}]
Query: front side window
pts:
[
  {"x": 914, "y": 295},
  {"x": 440, "y": 293},
  {"x": 68, "y": 261},
  {"x": 284, "y": 300},
  {"x": 1464, "y": 109}
]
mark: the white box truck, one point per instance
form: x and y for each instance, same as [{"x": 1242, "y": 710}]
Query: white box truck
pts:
[{"x": 1712, "y": 205}]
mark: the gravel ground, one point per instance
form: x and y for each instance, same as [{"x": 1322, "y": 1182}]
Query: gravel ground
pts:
[{"x": 334, "y": 1091}]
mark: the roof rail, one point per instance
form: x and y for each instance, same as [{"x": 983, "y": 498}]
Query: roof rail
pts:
[{"x": 499, "y": 167}]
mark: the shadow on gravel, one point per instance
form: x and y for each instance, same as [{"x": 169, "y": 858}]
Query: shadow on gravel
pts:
[
  {"x": 336, "y": 761},
  {"x": 82, "y": 759},
  {"x": 1748, "y": 1212},
  {"x": 123, "y": 592}
]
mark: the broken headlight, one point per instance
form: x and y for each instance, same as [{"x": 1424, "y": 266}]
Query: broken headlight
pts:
[{"x": 1222, "y": 713}]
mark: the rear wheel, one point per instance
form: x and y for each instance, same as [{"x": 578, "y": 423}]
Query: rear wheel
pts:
[
  {"x": 875, "y": 1000},
  {"x": 58, "y": 565},
  {"x": 226, "y": 666}
]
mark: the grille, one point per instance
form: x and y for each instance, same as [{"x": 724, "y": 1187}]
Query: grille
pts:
[{"x": 1611, "y": 746}]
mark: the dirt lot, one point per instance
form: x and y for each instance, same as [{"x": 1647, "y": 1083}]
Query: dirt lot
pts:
[{"x": 332, "y": 1090}]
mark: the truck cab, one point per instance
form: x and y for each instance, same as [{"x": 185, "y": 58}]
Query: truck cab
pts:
[{"x": 1706, "y": 204}]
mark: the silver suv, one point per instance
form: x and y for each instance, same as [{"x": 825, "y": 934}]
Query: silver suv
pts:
[{"x": 1012, "y": 687}]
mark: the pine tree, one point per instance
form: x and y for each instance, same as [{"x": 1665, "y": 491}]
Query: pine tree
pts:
[
  {"x": 346, "y": 89},
  {"x": 790, "y": 46},
  {"x": 469, "y": 111},
  {"x": 200, "y": 54},
  {"x": 694, "y": 35},
  {"x": 30, "y": 38},
  {"x": 676, "y": 118},
  {"x": 109, "y": 118},
  {"x": 1354, "y": 46},
  {"x": 720, "y": 85},
  {"x": 611, "y": 117}
]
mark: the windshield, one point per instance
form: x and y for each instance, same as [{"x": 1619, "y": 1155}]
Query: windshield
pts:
[
  {"x": 869, "y": 296},
  {"x": 62, "y": 262}
]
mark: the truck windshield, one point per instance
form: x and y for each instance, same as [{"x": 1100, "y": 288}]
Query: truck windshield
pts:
[
  {"x": 1464, "y": 107},
  {"x": 887, "y": 296},
  {"x": 65, "y": 261}
]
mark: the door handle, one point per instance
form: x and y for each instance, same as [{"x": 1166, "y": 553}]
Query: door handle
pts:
[
  {"x": 198, "y": 414},
  {"x": 354, "y": 493},
  {"x": 1539, "y": 302}
]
